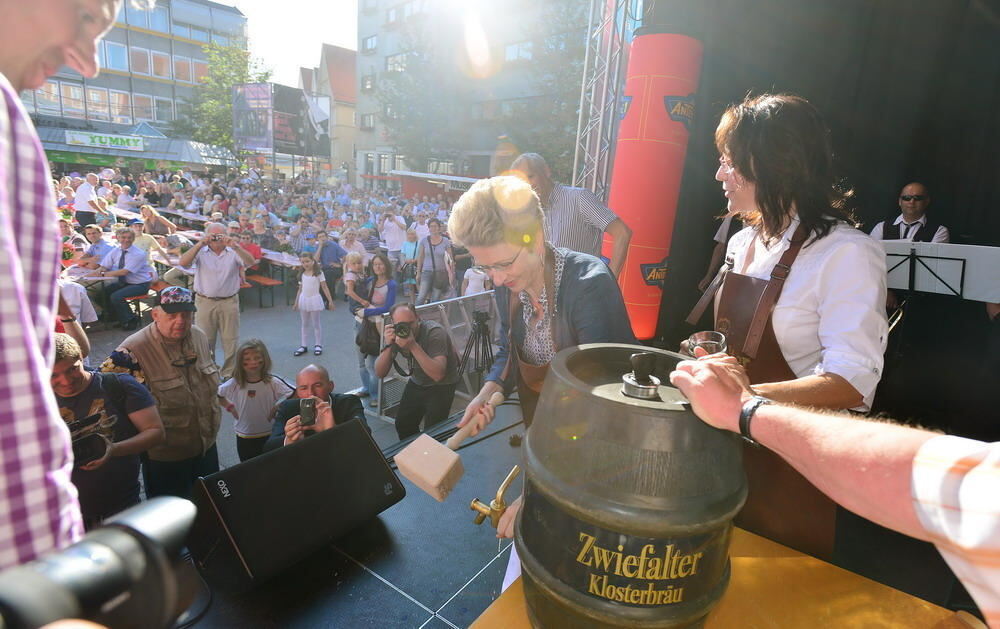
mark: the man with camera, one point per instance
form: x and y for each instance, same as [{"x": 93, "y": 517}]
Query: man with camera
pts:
[
  {"x": 112, "y": 419},
  {"x": 314, "y": 408},
  {"x": 218, "y": 263},
  {"x": 432, "y": 368}
]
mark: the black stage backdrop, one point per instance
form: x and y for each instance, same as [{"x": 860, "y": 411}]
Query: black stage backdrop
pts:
[{"x": 911, "y": 91}]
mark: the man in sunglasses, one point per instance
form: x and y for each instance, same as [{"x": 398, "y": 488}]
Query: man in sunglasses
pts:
[
  {"x": 912, "y": 224},
  {"x": 175, "y": 362}
]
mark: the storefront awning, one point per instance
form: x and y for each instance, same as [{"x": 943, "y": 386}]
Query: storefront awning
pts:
[{"x": 157, "y": 153}]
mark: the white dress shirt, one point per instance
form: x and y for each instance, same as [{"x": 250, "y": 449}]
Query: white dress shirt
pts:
[
  {"x": 830, "y": 317},
  {"x": 217, "y": 274},
  {"x": 910, "y": 230}
]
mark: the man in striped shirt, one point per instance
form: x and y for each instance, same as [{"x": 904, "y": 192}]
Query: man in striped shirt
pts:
[
  {"x": 38, "y": 504},
  {"x": 574, "y": 217},
  {"x": 937, "y": 488}
]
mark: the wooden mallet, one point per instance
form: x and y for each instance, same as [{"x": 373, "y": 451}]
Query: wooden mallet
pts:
[{"x": 434, "y": 467}]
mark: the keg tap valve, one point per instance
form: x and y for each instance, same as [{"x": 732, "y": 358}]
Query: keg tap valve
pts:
[{"x": 498, "y": 505}]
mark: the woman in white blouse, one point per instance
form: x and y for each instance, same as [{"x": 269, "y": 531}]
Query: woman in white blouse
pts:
[
  {"x": 800, "y": 298},
  {"x": 776, "y": 169}
]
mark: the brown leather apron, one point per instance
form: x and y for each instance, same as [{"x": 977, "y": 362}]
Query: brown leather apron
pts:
[
  {"x": 530, "y": 378},
  {"x": 781, "y": 504}
]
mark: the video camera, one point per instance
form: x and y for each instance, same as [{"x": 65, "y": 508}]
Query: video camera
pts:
[{"x": 128, "y": 573}]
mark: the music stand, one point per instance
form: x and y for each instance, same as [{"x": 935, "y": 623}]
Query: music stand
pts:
[{"x": 964, "y": 271}]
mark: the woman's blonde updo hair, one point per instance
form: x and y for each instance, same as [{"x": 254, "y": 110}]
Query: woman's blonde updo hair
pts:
[{"x": 494, "y": 211}]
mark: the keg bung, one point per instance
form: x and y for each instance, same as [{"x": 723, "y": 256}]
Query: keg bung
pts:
[{"x": 629, "y": 497}]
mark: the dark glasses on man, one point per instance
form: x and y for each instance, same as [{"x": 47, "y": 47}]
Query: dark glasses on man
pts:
[{"x": 913, "y": 197}]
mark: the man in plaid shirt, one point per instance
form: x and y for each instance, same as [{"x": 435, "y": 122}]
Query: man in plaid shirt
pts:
[{"x": 38, "y": 505}]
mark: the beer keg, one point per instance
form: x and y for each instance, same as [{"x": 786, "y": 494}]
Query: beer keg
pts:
[{"x": 629, "y": 498}]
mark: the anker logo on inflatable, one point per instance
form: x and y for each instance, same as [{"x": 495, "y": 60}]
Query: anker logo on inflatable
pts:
[
  {"x": 680, "y": 109},
  {"x": 623, "y": 109},
  {"x": 654, "y": 274}
]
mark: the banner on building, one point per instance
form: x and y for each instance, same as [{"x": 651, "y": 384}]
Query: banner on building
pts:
[
  {"x": 301, "y": 122},
  {"x": 252, "y": 108}
]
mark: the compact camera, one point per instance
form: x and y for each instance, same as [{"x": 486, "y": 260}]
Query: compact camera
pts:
[{"x": 403, "y": 329}]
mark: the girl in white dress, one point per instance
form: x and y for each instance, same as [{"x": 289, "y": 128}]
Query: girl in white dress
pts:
[{"x": 309, "y": 302}]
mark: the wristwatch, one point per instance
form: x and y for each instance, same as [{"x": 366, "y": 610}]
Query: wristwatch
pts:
[
  {"x": 746, "y": 415},
  {"x": 67, "y": 319}
]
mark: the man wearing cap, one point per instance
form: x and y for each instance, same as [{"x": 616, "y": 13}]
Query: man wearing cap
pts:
[
  {"x": 175, "y": 362},
  {"x": 218, "y": 271},
  {"x": 131, "y": 266}
]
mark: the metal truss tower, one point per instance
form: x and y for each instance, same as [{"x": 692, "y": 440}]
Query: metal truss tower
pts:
[{"x": 609, "y": 29}]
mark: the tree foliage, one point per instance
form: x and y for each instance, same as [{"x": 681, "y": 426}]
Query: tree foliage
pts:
[{"x": 209, "y": 114}]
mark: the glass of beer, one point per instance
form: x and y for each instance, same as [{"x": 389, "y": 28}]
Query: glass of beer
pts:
[{"x": 711, "y": 342}]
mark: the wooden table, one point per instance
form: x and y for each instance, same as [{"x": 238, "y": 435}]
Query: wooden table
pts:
[{"x": 774, "y": 586}]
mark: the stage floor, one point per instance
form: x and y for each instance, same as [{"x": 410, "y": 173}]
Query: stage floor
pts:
[{"x": 421, "y": 563}]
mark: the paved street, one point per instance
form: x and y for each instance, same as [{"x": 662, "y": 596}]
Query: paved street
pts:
[{"x": 278, "y": 327}]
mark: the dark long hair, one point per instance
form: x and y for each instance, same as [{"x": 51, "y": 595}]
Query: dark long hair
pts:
[
  {"x": 385, "y": 260},
  {"x": 780, "y": 143}
]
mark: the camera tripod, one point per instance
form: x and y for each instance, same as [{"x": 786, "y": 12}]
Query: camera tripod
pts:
[{"x": 479, "y": 347}]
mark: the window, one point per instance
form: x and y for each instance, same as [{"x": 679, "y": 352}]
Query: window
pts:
[
  {"x": 47, "y": 99},
  {"x": 97, "y": 104},
  {"x": 395, "y": 63},
  {"x": 399, "y": 162},
  {"x": 368, "y": 44},
  {"x": 391, "y": 15},
  {"x": 368, "y": 121},
  {"x": 72, "y": 100},
  {"x": 368, "y": 82},
  {"x": 164, "y": 110},
  {"x": 142, "y": 106},
  {"x": 181, "y": 30},
  {"x": 369, "y": 5},
  {"x": 384, "y": 161},
  {"x": 139, "y": 58},
  {"x": 222, "y": 40},
  {"x": 519, "y": 51},
  {"x": 28, "y": 99},
  {"x": 199, "y": 34},
  {"x": 121, "y": 107},
  {"x": 182, "y": 69},
  {"x": 136, "y": 17},
  {"x": 200, "y": 70},
  {"x": 369, "y": 162},
  {"x": 116, "y": 56},
  {"x": 388, "y": 113},
  {"x": 159, "y": 20},
  {"x": 161, "y": 65}
]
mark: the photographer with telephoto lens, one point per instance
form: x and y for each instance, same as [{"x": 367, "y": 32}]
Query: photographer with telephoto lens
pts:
[{"x": 432, "y": 365}]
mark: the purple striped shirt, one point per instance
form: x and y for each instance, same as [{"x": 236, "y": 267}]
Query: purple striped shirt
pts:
[{"x": 38, "y": 505}]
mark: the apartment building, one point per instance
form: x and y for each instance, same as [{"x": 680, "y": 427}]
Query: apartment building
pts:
[
  {"x": 497, "y": 99},
  {"x": 151, "y": 61}
]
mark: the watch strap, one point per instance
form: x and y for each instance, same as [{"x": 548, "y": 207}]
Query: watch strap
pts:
[{"x": 746, "y": 415}]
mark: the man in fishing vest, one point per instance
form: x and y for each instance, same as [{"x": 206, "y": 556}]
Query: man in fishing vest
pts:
[{"x": 912, "y": 224}]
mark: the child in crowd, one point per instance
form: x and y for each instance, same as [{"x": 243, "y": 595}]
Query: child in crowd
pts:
[
  {"x": 354, "y": 277},
  {"x": 309, "y": 302},
  {"x": 250, "y": 396}
]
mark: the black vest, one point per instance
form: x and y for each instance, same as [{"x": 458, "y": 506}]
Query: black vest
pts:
[{"x": 925, "y": 233}]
